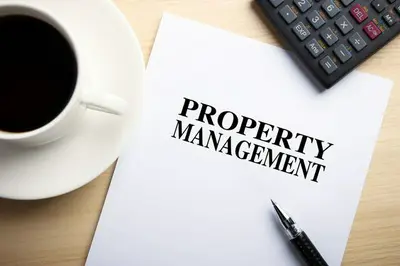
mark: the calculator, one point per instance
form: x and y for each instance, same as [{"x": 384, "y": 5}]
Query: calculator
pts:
[{"x": 332, "y": 37}]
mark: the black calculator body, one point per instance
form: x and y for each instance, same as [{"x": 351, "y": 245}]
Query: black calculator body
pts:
[{"x": 332, "y": 37}]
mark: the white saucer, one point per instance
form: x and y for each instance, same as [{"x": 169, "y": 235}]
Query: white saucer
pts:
[{"x": 118, "y": 67}]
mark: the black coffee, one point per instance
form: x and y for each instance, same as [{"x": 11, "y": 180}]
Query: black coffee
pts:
[{"x": 38, "y": 73}]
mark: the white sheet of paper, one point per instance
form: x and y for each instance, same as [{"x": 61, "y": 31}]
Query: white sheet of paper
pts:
[{"x": 174, "y": 203}]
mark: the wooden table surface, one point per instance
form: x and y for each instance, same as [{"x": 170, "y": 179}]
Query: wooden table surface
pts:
[{"x": 59, "y": 231}]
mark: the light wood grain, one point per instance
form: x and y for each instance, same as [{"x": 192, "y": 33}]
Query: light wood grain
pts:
[{"x": 58, "y": 231}]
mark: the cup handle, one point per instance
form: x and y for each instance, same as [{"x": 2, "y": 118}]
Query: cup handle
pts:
[{"x": 104, "y": 102}]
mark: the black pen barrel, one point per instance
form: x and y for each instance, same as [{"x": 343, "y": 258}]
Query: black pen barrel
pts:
[{"x": 308, "y": 251}]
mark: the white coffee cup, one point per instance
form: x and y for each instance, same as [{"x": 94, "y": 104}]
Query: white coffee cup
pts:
[{"x": 83, "y": 98}]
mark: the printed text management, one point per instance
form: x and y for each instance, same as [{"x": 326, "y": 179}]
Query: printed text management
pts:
[{"x": 271, "y": 137}]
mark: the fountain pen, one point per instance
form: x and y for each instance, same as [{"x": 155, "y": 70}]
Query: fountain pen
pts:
[{"x": 298, "y": 238}]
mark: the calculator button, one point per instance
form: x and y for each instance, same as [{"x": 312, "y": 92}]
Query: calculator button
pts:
[
  {"x": 276, "y": 3},
  {"x": 328, "y": 65},
  {"x": 342, "y": 53},
  {"x": 346, "y": 2},
  {"x": 344, "y": 25},
  {"x": 301, "y": 31},
  {"x": 315, "y": 19},
  {"x": 389, "y": 19},
  {"x": 398, "y": 9},
  {"x": 314, "y": 48},
  {"x": 358, "y": 13},
  {"x": 303, "y": 5},
  {"x": 379, "y": 5},
  {"x": 329, "y": 37},
  {"x": 287, "y": 14},
  {"x": 357, "y": 42},
  {"x": 372, "y": 30},
  {"x": 330, "y": 8}
]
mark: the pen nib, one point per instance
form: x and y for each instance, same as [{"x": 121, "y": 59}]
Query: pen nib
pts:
[
  {"x": 284, "y": 218},
  {"x": 273, "y": 203}
]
